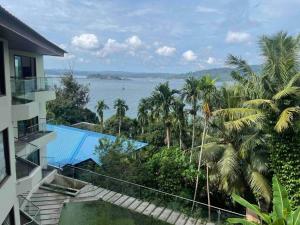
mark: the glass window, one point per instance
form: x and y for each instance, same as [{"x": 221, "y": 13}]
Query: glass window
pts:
[
  {"x": 9, "y": 220},
  {"x": 25, "y": 67},
  {"x": 2, "y": 72},
  {"x": 4, "y": 156},
  {"x": 34, "y": 157},
  {"x": 27, "y": 127}
]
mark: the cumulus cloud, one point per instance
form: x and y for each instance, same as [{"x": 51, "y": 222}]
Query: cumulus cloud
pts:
[
  {"x": 237, "y": 37},
  {"x": 211, "y": 60},
  {"x": 110, "y": 47},
  {"x": 134, "y": 41},
  {"x": 189, "y": 56},
  {"x": 130, "y": 45},
  {"x": 85, "y": 41},
  {"x": 166, "y": 51}
]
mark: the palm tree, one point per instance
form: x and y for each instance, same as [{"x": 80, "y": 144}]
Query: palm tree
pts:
[
  {"x": 162, "y": 100},
  {"x": 100, "y": 107},
  {"x": 142, "y": 114},
  {"x": 276, "y": 108},
  {"x": 179, "y": 117},
  {"x": 190, "y": 94},
  {"x": 207, "y": 87},
  {"x": 121, "y": 108}
]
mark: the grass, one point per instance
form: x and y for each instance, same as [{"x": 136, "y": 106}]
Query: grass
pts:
[{"x": 102, "y": 213}]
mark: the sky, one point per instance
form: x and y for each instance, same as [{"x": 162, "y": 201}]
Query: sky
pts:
[{"x": 172, "y": 36}]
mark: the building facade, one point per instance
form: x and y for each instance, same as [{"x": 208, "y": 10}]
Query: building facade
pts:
[{"x": 24, "y": 91}]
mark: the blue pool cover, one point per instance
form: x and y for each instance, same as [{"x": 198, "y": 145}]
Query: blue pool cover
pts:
[{"x": 73, "y": 145}]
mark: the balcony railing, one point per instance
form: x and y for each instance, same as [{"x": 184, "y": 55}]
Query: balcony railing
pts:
[
  {"x": 32, "y": 132},
  {"x": 23, "y": 89},
  {"x": 198, "y": 210},
  {"x": 24, "y": 167},
  {"x": 31, "y": 211}
]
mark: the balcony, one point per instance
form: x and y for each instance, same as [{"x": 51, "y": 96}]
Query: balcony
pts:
[
  {"x": 26, "y": 90},
  {"x": 28, "y": 175},
  {"x": 29, "y": 212},
  {"x": 36, "y": 135}
]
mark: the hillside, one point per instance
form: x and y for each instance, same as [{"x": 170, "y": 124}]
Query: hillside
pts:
[{"x": 223, "y": 74}]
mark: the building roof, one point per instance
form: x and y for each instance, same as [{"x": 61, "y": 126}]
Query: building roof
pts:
[
  {"x": 22, "y": 37},
  {"x": 73, "y": 145}
]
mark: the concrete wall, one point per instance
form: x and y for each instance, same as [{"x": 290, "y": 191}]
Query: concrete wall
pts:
[
  {"x": 25, "y": 184},
  {"x": 8, "y": 187}
]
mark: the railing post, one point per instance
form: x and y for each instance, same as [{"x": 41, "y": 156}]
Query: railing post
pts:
[{"x": 219, "y": 216}]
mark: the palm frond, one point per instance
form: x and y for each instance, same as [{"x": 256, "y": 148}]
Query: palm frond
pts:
[
  {"x": 235, "y": 113},
  {"x": 294, "y": 80},
  {"x": 254, "y": 120},
  {"x": 260, "y": 185},
  {"x": 228, "y": 167},
  {"x": 286, "y": 117},
  {"x": 262, "y": 102},
  {"x": 287, "y": 91}
]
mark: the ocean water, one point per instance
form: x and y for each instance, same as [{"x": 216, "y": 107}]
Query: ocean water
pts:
[{"x": 131, "y": 91}]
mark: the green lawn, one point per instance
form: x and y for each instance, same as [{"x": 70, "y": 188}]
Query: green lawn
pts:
[{"x": 102, "y": 213}]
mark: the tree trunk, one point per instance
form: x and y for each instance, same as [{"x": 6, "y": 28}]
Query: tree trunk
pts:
[
  {"x": 180, "y": 138},
  {"x": 120, "y": 123},
  {"x": 199, "y": 162},
  {"x": 193, "y": 138},
  {"x": 142, "y": 129},
  {"x": 102, "y": 124},
  {"x": 168, "y": 137},
  {"x": 207, "y": 191}
]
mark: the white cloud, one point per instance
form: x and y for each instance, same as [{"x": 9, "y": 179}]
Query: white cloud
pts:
[
  {"x": 110, "y": 47},
  {"x": 211, "y": 60},
  {"x": 189, "y": 56},
  {"x": 166, "y": 51},
  {"x": 204, "y": 9},
  {"x": 237, "y": 37},
  {"x": 85, "y": 41},
  {"x": 134, "y": 41}
]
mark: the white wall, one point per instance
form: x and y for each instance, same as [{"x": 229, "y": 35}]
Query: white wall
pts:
[{"x": 8, "y": 188}]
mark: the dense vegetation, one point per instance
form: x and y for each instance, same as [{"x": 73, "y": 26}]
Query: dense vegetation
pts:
[{"x": 209, "y": 142}]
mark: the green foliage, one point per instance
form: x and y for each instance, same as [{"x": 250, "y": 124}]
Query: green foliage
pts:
[
  {"x": 281, "y": 215},
  {"x": 169, "y": 170},
  {"x": 129, "y": 126},
  {"x": 69, "y": 105}
]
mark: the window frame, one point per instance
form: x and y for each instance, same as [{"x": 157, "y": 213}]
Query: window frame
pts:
[
  {"x": 2, "y": 72},
  {"x": 6, "y": 156},
  {"x": 21, "y": 58}
]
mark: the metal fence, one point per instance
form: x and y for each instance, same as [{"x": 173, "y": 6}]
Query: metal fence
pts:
[{"x": 202, "y": 211}]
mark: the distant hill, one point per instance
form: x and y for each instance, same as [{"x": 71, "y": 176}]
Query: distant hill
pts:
[{"x": 223, "y": 74}]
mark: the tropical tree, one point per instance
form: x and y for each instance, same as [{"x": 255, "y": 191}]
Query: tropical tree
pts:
[
  {"x": 142, "y": 115},
  {"x": 100, "y": 107},
  {"x": 162, "y": 100},
  {"x": 207, "y": 87},
  {"x": 276, "y": 109},
  {"x": 190, "y": 94},
  {"x": 179, "y": 119},
  {"x": 121, "y": 108},
  {"x": 282, "y": 213}
]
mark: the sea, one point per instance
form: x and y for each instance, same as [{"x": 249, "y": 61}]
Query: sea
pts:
[{"x": 131, "y": 90}]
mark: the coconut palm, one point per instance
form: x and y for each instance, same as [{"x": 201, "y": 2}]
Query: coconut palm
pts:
[
  {"x": 207, "y": 87},
  {"x": 179, "y": 118},
  {"x": 162, "y": 100},
  {"x": 190, "y": 94},
  {"x": 276, "y": 109},
  {"x": 121, "y": 108},
  {"x": 100, "y": 107},
  {"x": 142, "y": 114}
]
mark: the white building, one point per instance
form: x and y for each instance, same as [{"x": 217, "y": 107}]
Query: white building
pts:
[{"x": 24, "y": 91}]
